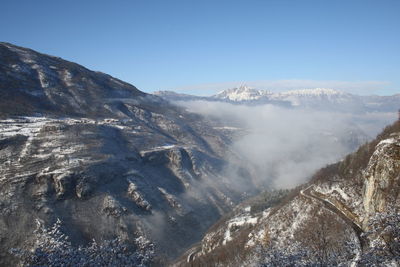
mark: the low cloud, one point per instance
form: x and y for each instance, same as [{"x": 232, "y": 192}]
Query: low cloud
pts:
[{"x": 284, "y": 147}]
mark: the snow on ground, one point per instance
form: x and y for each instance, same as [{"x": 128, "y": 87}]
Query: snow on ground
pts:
[
  {"x": 159, "y": 148},
  {"x": 238, "y": 221},
  {"x": 288, "y": 219},
  {"x": 27, "y": 126},
  {"x": 387, "y": 141},
  {"x": 325, "y": 189},
  {"x": 383, "y": 144},
  {"x": 67, "y": 76},
  {"x": 226, "y": 128},
  {"x": 266, "y": 213},
  {"x": 42, "y": 78},
  {"x": 255, "y": 237},
  {"x": 31, "y": 127},
  {"x": 164, "y": 147}
]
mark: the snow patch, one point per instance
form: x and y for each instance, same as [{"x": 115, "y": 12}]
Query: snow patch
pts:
[
  {"x": 332, "y": 189},
  {"x": 387, "y": 141},
  {"x": 67, "y": 77},
  {"x": 238, "y": 221},
  {"x": 226, "y": 128}
]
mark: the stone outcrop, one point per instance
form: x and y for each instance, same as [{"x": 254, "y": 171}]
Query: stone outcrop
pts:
[
  {"x": 137, "y": 197},
  {"x": 382, "y": 176},
  {"x": 112, "y": 207}
]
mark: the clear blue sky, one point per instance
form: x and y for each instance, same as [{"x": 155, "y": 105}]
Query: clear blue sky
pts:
[{"x": 169, "y": 44}]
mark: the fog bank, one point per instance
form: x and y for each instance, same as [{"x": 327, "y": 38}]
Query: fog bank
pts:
[{"x": 283, "y": 147}]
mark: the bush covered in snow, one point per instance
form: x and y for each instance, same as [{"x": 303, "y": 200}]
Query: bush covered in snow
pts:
[
  {"x": 384, "y": 237},
  {"x": 52, "y": 248}
]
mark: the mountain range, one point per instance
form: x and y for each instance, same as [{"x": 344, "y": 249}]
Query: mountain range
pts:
[
  {"x": 318, "y": 98},
  {"x": 94, "y": 154}
]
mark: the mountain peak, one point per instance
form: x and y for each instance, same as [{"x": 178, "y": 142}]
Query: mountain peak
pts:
[{"x": 242, "y": 93}]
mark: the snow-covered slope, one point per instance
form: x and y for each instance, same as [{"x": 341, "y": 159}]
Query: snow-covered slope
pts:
[
  {"x": 329, "y": 221},
  {"x": 102, "y": 156}
]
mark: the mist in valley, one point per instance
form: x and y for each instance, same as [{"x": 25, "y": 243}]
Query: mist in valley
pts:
[{"x": 283, "y": 147}]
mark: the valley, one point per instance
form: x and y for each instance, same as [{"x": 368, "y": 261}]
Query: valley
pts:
[{"x": 241, "y": 178}]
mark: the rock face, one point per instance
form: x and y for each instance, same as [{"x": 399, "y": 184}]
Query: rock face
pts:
[
  {"x": 103, "y": 157},
  {"x": 325, "y": 217},
  {"x": 382, "y": 177}
]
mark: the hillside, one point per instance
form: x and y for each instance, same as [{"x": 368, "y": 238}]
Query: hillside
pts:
[
  {"x": 104, "y": 161},
  {"x": 103, "y": 157},
  {"x": 344, "y": 215}
]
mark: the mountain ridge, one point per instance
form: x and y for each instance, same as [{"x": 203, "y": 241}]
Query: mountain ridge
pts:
[
  {"x": 90, "y": 150},
  {"x": 313, "y": 98},
  {"x": 51, "y": 85}
]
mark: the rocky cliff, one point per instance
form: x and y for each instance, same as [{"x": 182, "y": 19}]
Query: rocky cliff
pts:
[{"x": 382, "y": 176}]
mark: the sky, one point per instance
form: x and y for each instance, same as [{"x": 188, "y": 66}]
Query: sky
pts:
[{"x": 204, "y": 46}]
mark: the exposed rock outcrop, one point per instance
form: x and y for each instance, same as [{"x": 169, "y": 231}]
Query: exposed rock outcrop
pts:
[
  {"x": 112, "y": 207},
  {"x": 137, "y": 197},
  {"x": 382, "y": 176}
]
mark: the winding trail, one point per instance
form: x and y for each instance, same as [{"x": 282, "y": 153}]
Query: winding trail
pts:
[{"x": 309, "y": 193}]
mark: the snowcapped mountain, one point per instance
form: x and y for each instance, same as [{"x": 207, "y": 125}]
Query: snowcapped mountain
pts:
[
  {"x": 317, "y": 98},
  {"x": 243, "y": 93}
]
